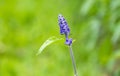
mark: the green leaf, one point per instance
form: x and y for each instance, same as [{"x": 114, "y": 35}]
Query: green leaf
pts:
[
  {"x": 48, "y": 42},
  {"x": 113, "y": 59}
]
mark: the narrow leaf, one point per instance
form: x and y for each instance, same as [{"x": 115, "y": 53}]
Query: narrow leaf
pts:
[{"x": 48, "y": 42}]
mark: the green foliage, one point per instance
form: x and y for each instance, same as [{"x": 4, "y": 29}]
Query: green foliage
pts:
[
  {"x": 48, "y": 42},
  {"x": 26, "y": 24}
]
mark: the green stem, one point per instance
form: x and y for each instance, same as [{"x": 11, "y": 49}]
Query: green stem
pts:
[{"x": 73, "y": 60}]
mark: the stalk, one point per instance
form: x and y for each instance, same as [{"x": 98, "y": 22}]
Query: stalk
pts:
[{"x": 73, "y": 61}]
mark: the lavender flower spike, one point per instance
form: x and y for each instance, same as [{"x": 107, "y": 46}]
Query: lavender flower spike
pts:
[
  {"x": 68, "y": 41},
  {"x": 64, "y": 29}
]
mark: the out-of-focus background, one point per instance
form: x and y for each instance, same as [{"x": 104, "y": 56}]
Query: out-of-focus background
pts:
[{"x": 26, "y": 24}]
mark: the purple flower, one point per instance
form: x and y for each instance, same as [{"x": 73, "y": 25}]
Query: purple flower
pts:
[
  {"x": 68, "y": 41},
  {"x": 64, "y": 29}
]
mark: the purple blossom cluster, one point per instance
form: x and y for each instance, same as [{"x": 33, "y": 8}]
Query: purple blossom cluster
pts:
[{"x": 64, "y": 29}]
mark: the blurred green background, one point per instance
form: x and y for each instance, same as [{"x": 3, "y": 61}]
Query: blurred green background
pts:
[{"x": 26, "y": 24}]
